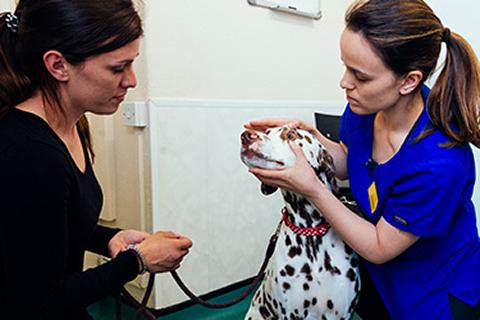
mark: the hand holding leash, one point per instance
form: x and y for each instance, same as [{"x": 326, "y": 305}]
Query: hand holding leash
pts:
[
  {"x": 123, "y": 239},
  {"x": 164, "y": 250},
  {"x": 143, "y": 310}
]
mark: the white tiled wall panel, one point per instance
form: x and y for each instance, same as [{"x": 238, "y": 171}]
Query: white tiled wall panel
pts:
[{"x": 203, "y": 190}]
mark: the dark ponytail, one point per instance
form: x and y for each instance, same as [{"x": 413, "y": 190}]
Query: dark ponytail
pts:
[
  {"x": 408, "y": 36},
  {"x": 455, "y": 97}
]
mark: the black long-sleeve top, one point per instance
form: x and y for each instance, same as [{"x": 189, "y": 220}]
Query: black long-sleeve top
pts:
[{"x": 49, "y": 211}]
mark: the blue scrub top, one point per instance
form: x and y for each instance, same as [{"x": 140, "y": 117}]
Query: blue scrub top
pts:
[{"x": 424, "y": 189}]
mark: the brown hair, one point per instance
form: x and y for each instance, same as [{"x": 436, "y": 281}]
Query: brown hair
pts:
[
  {"x": 77, "y": 28},
  {"x": 408, "y": 35}
]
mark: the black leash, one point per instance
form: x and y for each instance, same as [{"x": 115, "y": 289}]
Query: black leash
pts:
[{"x": 142, "y": 308}]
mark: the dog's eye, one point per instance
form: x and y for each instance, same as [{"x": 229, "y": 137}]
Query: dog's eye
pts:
[{"x": 291, "y": 135}]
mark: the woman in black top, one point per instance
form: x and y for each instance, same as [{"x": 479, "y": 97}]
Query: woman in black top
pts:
[{"x": 58, "y": 60}]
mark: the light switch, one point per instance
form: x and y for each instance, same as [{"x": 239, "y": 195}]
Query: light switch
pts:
[{"x": 134, "y": 114}]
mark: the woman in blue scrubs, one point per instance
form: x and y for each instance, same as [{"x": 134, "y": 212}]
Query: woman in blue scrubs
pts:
[{"x": 406, "y": 151}]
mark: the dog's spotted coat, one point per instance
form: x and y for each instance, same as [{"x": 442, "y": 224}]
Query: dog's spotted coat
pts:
[{"x": 308, "y": 278}]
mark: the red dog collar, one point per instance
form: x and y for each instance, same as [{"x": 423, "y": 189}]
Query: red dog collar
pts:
[{"x": 320, "y": 230}]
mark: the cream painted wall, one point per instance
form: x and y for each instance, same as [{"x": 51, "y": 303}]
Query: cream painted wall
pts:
[
  {"x": 7, "y": 5},
  {"x": 221, "y": 49}
]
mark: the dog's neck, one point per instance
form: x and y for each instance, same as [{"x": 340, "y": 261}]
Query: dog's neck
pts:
[{"x": 300, "y": 211}]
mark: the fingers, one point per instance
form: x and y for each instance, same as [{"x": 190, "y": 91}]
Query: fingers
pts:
[
  {"x": 170, "y": 267},
  {"x": 138, "y": 236},
  {"x": 173, "y": 261},
  {"x": 274, "y": 178},
  {"x": 185, "y": 243},
  {"x": 296, "y": 124},
  {"x": 165, "y": 250},
  {"x": 303, "y": 126},
  {"x": 116, "y": 249},
  {"x": 130, "y": 236},
  {"x": 296, "y": 150},
  {"x": 264, "y": 124},
  {"x": 143, "y": 234},
  {"x": 181, "y": 255},
  {"x": 180, "y": 241},
  {"x": 266, "y": 173},
  {"x": 168, "y": 234}
]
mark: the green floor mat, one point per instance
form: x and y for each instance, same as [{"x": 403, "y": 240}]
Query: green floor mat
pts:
[
  {"x": 105, "y": 310},
  {"x": 235, "y": 312}
]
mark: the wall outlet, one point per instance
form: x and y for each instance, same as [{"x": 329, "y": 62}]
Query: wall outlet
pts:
[{"x": 134, "y": 114}]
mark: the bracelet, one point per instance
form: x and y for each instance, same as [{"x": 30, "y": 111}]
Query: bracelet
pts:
[{"x": 140, "y": 257}]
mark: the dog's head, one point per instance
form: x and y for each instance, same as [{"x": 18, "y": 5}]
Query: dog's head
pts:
[{"x": 270, "y": 150}]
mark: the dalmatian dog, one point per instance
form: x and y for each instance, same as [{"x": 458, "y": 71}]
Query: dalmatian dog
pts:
[{"x": 312, "y": 274}]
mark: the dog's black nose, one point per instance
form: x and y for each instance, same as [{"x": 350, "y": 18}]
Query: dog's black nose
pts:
[{"x": 248, "y": 137}]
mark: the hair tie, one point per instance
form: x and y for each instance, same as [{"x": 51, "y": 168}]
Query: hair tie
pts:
[
  {"x": 446, "y": 35},
  {"x": 11, "y": 22}
]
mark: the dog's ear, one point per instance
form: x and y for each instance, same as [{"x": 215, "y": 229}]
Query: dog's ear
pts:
[
  {"x": 267, "y": 190},
  {"x": 327, "y": 165}
]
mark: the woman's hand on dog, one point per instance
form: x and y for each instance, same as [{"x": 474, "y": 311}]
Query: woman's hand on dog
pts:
[
  {"x": 337, "y": 150},
  {"x": 264, "y": 124},
  {"x": 300, "y": 178}
]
